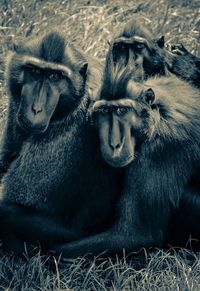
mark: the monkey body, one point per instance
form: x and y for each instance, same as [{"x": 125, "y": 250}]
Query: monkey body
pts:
[
  {"x": 162, "y": 115},
  {"x": 169, "y": 155},
  {"x": 63, "y": 189},
  {"x": 56, "y": 183},
  {"x": 54, "y": 158}
]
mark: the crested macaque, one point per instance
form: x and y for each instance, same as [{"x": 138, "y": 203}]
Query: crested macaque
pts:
[
  {"x": 146, "y": 51},
  {"x": 57, "y": 187},
  {"x": 39, "y": 80},
  {"x": 152, "y": 131},
  {"x": 183, "y": 64},
  {"x": 150, "y": 55}
]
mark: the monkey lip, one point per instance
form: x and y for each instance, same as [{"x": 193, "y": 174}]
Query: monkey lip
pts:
[
  {"x": 30, "y": 128},
  {"x": 119, "y": 162}
]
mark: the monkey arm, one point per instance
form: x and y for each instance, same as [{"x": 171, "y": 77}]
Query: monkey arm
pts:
[
  {"x": 121, "y": 237},
  {"x": 107, "y": 244},
  {"x": 11, "y": 141},
  {"x": 178, "y": 49},
  {"x": 184, "y": 226},
  {"x": 7, "y": 153},
  {"x": 142, "y": 221},
  {"x": 183, "y": 64}
]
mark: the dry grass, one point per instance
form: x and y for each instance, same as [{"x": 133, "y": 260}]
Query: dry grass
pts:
[
  {"x": 90, "y": 24},
  {"x": 156, "y": 271}
]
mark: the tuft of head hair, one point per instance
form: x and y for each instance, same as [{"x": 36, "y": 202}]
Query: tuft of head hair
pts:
[
  {"x": 136, "y": 26},
  {"x": 52, "y": 47},
  {"x": 116, "y": 77}
]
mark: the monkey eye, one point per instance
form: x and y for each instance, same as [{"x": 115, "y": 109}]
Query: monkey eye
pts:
[
  {"x": 36, "y": 71},
  {"x": 54, "y": 76},
  {"x": 105, "y": 110},
  {"x": 139, "y": 46},
  {"x": 119, "y": 45},
  {"x": 122, "y": 110},
  {"x": 122, "y": 46},
  {"x": 63, "y": 75}
]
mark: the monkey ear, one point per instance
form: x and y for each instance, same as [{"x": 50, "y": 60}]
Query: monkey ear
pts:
[
  {"x": 149, "y": 96},
  {"x": 83, "y": 69},
  {"x": 18, "y": 47},
  {"x": 161, "y": 42},
  {"x": 197, "y": 63}
]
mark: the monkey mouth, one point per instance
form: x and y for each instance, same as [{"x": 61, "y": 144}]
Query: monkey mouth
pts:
[
  {"x": 119, "y": 162},
  {"x": 30, "y": 128}
]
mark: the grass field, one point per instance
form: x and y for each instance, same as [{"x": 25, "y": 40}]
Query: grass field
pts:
[{"x": 89, "y": 25}]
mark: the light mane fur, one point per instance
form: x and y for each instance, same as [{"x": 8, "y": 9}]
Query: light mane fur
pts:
[{"x": 175, "y": 115}]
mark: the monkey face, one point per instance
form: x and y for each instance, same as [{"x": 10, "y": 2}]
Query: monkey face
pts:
[
  {"x": 47, "y": 94},
  {"x": 118, "y": 124},
  {"x": 46, "y": 80},
  {"x": 122, "y": 125}
]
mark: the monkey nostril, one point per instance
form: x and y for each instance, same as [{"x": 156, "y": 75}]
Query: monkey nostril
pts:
[
  {"x": 36, "y": 110},
  {"x": 115, "y": 146}
]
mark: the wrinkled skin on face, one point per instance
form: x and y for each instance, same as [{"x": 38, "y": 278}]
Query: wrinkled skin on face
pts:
[
  {"x": 39, "y": 97},
  {"x": 118, "y": 125},
  {"x": 46, "y": 81},
  {"x": 45, "y": 93},
  {"x": 122, "y": 125}
]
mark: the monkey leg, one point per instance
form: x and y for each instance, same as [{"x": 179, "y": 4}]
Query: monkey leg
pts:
[
  {"x": 130, "y": 233},
  {"x": 23, "y": 224},
  {"x": 184, "y": 229}
]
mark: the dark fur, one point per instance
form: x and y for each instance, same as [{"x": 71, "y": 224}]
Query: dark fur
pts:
[
  {"x": 57, "y": 187},
  {"x": 162, "y": 174},
  {"x": 183, "y": 64}
]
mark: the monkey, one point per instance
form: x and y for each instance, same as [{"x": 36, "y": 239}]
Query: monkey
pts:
[
  {"x": 57, "y": 188},
  {"x": 151, "y": 130},
  {"x": 147, "y": 51},
  {"x": 183, "y": 64},
  {"x": 28, "y": 117},
  {"x": 151, "y": 55},
  {"x": 31, "y": 108}
]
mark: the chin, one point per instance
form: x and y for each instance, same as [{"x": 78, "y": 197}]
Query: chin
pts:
[
  {"x": 119, "y": 163},
  {"x": 32, "y": 129}
]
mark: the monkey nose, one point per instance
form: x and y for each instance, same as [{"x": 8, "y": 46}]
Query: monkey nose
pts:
[
  {"x": 36, "y": 109},
  {"x": 117, "y": 148}
]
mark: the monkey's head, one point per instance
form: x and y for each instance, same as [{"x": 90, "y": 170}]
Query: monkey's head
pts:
[
  {"x": 123, "y": 123},
  {"x": 137, "y": 40},
  {"x": 46, "y": 80}
]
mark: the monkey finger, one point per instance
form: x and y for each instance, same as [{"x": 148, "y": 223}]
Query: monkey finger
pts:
[{"x": 178, "y": 49}]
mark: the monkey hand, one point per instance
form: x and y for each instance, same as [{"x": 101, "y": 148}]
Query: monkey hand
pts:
[{"x": 177, "y": 49}]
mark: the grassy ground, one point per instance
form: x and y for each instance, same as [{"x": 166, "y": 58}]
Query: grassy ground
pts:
[{"x": 90, "y": 24}]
